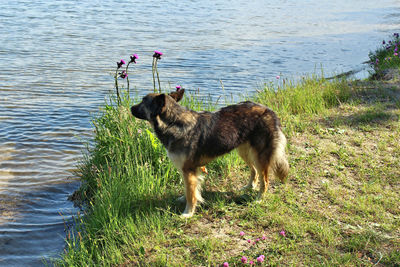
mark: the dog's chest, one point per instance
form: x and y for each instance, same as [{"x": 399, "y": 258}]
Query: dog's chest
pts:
[{"x": 178, "y": 159}]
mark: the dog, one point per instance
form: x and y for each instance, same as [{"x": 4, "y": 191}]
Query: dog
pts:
[{"x": 193, "y": 139}]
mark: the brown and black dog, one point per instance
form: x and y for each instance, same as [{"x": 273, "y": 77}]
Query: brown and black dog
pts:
[{"x": 193, "y": 139}]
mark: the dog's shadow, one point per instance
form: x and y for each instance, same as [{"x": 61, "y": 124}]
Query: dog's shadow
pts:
[
  {"x": 213, "y": 197},
  {"x": 170, "y": 203}
]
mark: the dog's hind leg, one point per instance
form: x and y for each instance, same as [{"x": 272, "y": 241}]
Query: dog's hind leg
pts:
[
  {"x": 192, "y": 192},
  {"x": 263, "y": 165},
  {"x": 244, "y": 152},
  {"x": 264, "y": 181}
]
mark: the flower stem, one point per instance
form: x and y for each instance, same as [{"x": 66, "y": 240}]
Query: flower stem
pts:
[
  {"x": 158, "y": 78},
  {"x": 116, "y": 87},
  {"x": 127, "y": 79},
  {"x": 153, "y": 66}
]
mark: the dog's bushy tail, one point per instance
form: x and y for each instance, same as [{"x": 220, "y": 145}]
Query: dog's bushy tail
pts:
[{"x": 279, "y": 162}]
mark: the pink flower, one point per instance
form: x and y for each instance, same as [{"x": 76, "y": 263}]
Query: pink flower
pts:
[
  {"x": 119, "y": 64},
  {"x": 123, "y": 74},
  {"x": 179, "y": 88},
  {"x": 244, "y": 259},
  {"x": 263, "y": 237},
  {"x": 241, "y": 233},
  {"x": 251, "y": 262},
  {"x": 157, "y": 54},
  {"x": 225, "y": 264},
  {"x": 278, "y": 77},
  {"x": 134, "y": 57},
  {"x": 248, "y": 241},
  {"x": 260, "y": 258},
  {"x": 282, "y": 233},
  {"x": 258, "y": 239},
  {"x": 396, "y": 54}
]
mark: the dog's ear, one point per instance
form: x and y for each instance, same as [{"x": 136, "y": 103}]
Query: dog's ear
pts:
[
  {"x": 158, "y": 104},
  {"x": 177, "y": 96}
]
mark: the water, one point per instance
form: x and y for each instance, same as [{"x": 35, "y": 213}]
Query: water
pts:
[{"x": 56, "y": 65}]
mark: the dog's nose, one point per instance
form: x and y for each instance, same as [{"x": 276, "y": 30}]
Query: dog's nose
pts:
[{"x": 133, "y": 110}]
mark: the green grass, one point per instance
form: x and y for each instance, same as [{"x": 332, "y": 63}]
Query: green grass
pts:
[{"x": 340, "y": 206}]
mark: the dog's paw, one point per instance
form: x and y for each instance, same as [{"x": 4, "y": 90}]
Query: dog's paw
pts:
[
  {"x": 186, "y": 215},
  {"x": 260, "y": 197},
  {"x": 181, "y": 199},
  {"x": 258, "y": 200},
  {"x": 188, "y": 212}
]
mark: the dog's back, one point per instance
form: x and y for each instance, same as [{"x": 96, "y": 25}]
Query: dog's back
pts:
[{"x": 246, "y": 122}]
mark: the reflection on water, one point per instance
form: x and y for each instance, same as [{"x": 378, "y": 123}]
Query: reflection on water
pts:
[{"x": 56, "y": 60}]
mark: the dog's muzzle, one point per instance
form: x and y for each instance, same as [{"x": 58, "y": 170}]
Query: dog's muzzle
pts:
[{"x": 135, "y": 110}]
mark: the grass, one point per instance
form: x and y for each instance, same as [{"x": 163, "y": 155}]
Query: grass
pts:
[{"x": 340, "y": 206}]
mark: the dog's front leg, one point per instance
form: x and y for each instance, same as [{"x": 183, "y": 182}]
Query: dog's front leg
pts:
[{"x": 191, "y": 192}]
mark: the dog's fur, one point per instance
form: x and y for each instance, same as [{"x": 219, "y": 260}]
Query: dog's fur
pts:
[{"x": 193, "y": 139}]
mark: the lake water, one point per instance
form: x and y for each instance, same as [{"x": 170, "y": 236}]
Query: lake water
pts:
[{"x": 56, "y": 65}]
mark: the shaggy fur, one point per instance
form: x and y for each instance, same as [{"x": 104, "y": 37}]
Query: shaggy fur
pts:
[{"x": 193, "y": 139}]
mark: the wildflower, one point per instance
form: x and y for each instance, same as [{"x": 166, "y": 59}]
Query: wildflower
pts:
[
  {"x": 248, "y": 241},
  {"x": 263, "y": 237},
  {"x": 282, "y": 233},
  {"x": 258, "y": 239},
  {"x": 134, "y": 57},
  {"x": 244, "y": 259},
  {"x": 396, "y": 54},
  {"x": 383, "y": 42},
  {"x": 178, "y": 88},
  {"x": 396, "y": 49},
  {"x": 396, "y": 35},
  {"x": 225, "y": 264},
  {"x": 157, "y": 54},
  {"x": 139, "y": 131},
  {"x": 260, "y": 258},
  {"x": 251, "y": 262},
  {"x": 119, "y": 64},
  {"x": 123, "y": 74},
  {"x": 278, "y": 77},
  {"x": 241, "y": 233}
]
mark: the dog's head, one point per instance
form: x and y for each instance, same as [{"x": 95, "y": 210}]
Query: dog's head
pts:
[{"x": 153, "y": 105}]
